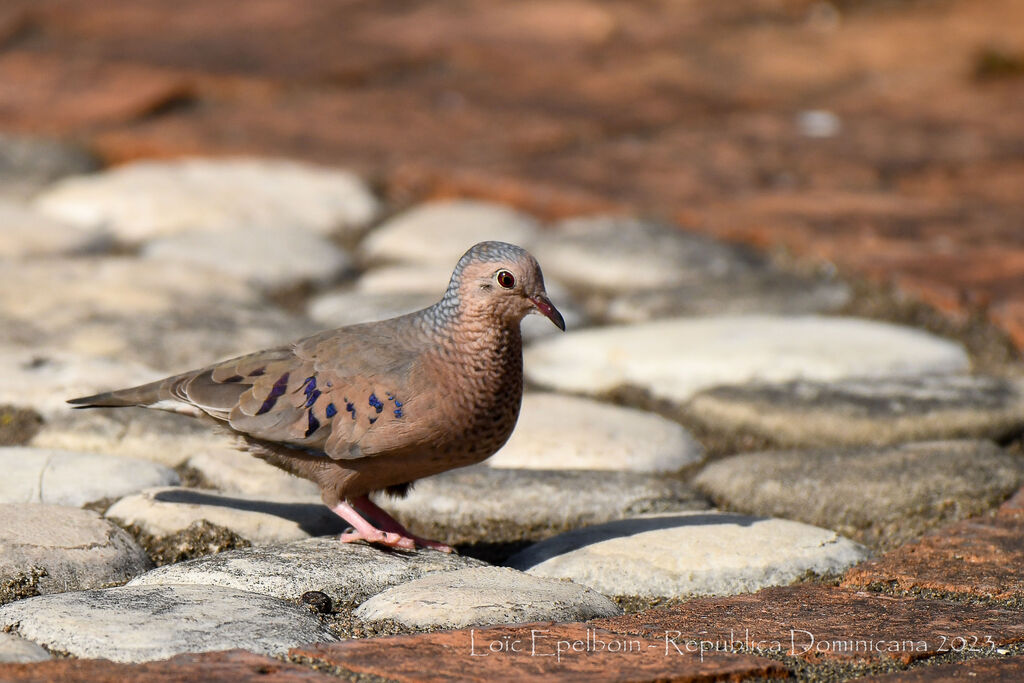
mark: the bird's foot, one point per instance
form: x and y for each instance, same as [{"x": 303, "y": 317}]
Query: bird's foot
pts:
[
  {"x": 392, "y": 534},
  {"x": 385, "y": 538},
  {"x": 389, "y": 523}
]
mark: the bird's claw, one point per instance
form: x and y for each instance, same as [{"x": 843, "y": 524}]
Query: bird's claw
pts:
[{"x": 384, "y": 538}]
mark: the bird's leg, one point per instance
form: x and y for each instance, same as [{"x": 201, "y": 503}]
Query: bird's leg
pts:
[
  {"x": 389, "y": 523},
  {"x": 364, "y": 531}
]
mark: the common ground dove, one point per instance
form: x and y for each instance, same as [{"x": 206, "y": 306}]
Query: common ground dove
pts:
[{"x": 376, "y": 406}]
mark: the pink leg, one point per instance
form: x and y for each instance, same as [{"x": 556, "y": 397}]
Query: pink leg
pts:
[
  {"x": 389, "y": 523},
  {"x": 364, "y": 531}
]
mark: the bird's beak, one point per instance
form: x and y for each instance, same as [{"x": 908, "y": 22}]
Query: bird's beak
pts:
[{"x": 544, "y": 305}]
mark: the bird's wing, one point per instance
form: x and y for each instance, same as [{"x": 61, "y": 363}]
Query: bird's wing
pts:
[
  {"x": 324, "y": 393},
  {"x": 333, "y": 390}
]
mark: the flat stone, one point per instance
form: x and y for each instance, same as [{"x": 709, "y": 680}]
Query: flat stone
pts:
[
  {"x": 340, "y": 309},
  {"x": 536, "y": 652},
  {"x": 164, "y": 511},
  {"x": 166, "y": 438},
  {"x": 44, "y": 380},
  {"x": 440, "y": 232},
  {"x": 110, "y": 286},
  {"x": 406, "y": 278},
  {"x": 484, "y": 504},
  {"x": 981, "y": 556},
  {"x": 27, "y": 164},
  {"x": 15, "y": 649},
  {"x": 734, "y": 350},
  {"x": 266, "y": 257},
  {"x": 147, "y": 199},
  {"x": 143, "y": 623},
  {"x": 1001, "y": 670},
  {"x": 131, "y": 309},
  {"x": 482, "y": 596},
  {"x": 557, "y": 432},
  {"x": 876, "y": 411},
  {"x": 52, "y": 548},
  {"x": 36, "y": 475},
  {"x": 765, "y": 292},
  {"x": 689, "y": 554},
  {"x": 238, "y": 472},
  {"x": 187, "y": 338},
  {"x": 29, "y": 234},
  {"x": 616, "y": 254},
  {"x": 227, "y": 666},
  {"x": 883, "y": 496},
  {"x": 846, "y": 626},
  {"x": 347, "y": 572}
]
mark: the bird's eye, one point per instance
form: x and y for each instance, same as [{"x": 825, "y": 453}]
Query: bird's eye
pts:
[{"x": 506, "y": 279}]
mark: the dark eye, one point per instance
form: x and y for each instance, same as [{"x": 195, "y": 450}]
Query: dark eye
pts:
[{"x": 506, "y": 279}]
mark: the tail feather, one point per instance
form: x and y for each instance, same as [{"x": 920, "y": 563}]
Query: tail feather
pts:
[{"x": 143, "y": 395}]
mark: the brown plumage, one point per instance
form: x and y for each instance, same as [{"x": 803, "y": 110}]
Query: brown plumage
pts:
[{"x": 378, "y": 405}]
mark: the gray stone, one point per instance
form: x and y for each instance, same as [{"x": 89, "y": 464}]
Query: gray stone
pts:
[
  {"x": 165, "y": 511},
  {"x": 483, "y": 596},
  {"x": 617, "y": 254},
  {"x": 35, "y": 475},
  {"x": 235, "y": 471},
  {"x": 340, "y": 309},
  {"x": 44, "y": 379},
  {"x": 16, "y": 649},
  {"x": 64, "y": 548},
  {"x": 132, "y": 309},
  {"x": 440, "y": 232},
  {"x": 557, "y": 432},
  {"x": 27, "y": 164},
  {"x": 673, "y": 359},
  {"x": 406, "y": 278},
  {"x": 28, "y": 234},
  {"x": 110, "y": 286},
  {"x": 145, "y": 623},
  {"x": 483, "y": 504},
  {"x": 266, "y": 257},
  {"x": 147, "y": 199},
  {"x": 690, "y": 554},
  {"x": 348, "y": 572},
  {"x": 873, "y": 411},
  {"x": 882, "y": 496},
  {"x": 166, "y": 438},
  {"x": 768, "y": 291}
]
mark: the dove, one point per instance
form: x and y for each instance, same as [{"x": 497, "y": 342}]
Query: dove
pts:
[{"x": 375, "y": 406}]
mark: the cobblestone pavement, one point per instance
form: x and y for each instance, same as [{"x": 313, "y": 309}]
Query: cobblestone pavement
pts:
[
  {"x": 881, "y": 136},
  {"x": 733, "y": 465}
]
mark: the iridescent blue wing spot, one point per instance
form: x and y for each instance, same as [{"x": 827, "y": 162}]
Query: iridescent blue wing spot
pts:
[
  {"x": 314, "y": 424},
  {"x": 375, "y": 403},
  {"x": 278, "y": 389},
  {"x": 331, "y": 411}
]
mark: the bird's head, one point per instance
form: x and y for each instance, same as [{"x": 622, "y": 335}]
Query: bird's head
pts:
[{"x": 504, "y": 280}]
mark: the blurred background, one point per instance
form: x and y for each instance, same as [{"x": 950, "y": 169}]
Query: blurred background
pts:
[{"x": 884, "y": 136}]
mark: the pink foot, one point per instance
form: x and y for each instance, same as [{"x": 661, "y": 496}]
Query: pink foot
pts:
[
  {"x": 392, "y": 535},
  {"x": 390, "y": 524},
  {"x": 381, "y": 538}
]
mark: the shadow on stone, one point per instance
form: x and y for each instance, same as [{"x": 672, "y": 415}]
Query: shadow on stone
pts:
[
  {"x": 631, "y": 527},
  {"x": 305, "y": 515}
]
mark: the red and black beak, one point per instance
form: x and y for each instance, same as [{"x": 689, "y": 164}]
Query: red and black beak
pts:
[{"x": 544, "y": 305}]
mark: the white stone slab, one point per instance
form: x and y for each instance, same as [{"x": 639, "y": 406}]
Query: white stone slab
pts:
[
  {"x": 689, "y": 554},
  {"x": 673, "y": 359}
]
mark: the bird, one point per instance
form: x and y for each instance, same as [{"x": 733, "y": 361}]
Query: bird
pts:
[{"x": 375, "y": 406}]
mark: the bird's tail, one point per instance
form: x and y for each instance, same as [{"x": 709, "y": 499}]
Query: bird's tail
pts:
[{"x": 143, "y": 395}]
